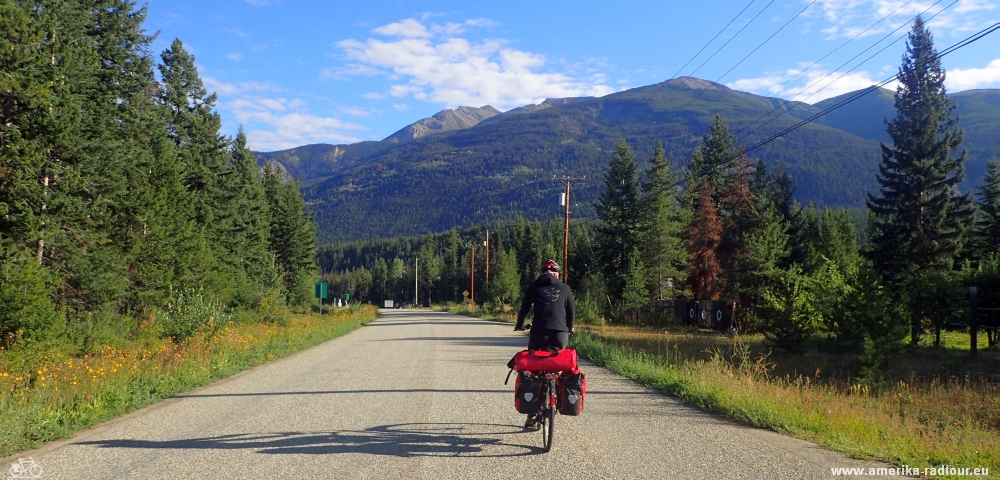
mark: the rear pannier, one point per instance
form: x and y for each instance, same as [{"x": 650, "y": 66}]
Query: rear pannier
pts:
[
  {"x": 527, "y": 393},
  {"x": 572, "y": 390}
]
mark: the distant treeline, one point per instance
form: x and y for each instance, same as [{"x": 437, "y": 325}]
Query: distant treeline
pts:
[{"x": 120, "y": 201}]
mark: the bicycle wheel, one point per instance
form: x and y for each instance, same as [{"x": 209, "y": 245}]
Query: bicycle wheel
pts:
[{"x": 548, "y": 419}]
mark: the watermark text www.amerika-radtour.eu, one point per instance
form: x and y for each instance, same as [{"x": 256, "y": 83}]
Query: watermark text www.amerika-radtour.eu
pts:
[{"x": 907, "y": 471}]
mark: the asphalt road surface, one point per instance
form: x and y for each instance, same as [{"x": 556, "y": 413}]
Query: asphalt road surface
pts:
[{"x": 419, "y": 395}]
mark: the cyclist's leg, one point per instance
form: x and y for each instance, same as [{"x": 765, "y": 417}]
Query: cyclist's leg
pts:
[{"x": 539, "y": 339}]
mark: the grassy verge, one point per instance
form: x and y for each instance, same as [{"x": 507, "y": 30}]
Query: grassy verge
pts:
[
  {"x": 473, "y": 310},
  {"x": 920, "y": 424},
  {"x": 46, "y": 396}
]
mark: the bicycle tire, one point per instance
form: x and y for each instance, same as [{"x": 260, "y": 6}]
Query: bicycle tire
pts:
[{"x": 548, "y": 419}]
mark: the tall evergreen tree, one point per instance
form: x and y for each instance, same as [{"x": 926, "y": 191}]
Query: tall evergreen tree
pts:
[
  {"x": 711, "y": 160},
  {"x": 988, "y": 225},
  {"x": 664, "y": 220},
  {"x": 194, "y": 127},
  {"x": 919, "y": 218},
  {"x": 704, "y": 235},
  {"x": 619, "y": 211},
  {"x": 243, "y": 219},
  {"x": 292, "y": 236}
]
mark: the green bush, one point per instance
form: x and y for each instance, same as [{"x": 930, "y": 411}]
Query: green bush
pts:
[
  {"x": 26, "y": 312},
  {"x": 788, "y": 311},
  {"x": 190, "y": 312}
]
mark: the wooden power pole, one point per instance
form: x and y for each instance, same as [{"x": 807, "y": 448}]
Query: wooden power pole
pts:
[{"x": 565, "y": 201}]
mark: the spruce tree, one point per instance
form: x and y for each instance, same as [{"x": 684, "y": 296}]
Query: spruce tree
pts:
[
  {"x": 194, "y": 127},
  {"x": 919, "y": 219},
  {"x": 987, "y": 233},
  {"x": 619, "y": 210},
  {"x": 243, "y": 220},
  {"x": 711, "y": 160},
  {"x": 292, "y": 236},
  {"x": 663, "y": 225}
]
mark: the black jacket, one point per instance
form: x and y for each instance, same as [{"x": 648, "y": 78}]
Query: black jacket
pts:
[{"x": 553, "y": 302}]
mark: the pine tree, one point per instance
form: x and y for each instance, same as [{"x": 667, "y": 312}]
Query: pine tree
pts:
[
  {"x": 920, "y": 220},
  {"x": 619, "y": 211},
  {"x": 506, "y": 284},
  {"x": 704, "y": 235},
  {"x": 711, "y": 160},
  {"x": 243, "y": 219},
  {"x": 663, "y": 224},
  {"x": 635, "y": 295},
  {"x": 292, "y": 236},
  {"x": 194, "y": 128},
  {"x": 987, "y": 233}
]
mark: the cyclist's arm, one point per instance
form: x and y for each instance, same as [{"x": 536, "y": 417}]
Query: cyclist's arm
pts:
[
  {"x": 529, "y": 299},
  {"x": 570, "y": 311}
]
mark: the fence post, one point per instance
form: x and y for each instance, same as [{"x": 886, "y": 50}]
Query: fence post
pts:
[{"x": 974, "y": 323}]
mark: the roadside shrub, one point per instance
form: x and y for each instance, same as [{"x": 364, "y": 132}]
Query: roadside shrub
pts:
[
  {"x": 190, "y": 312},
  {"x": 788, "y": 311},
  {"x": 26, "y": 312}
]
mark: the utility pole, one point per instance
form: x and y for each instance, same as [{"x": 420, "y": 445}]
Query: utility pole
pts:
[
  {"x": 416, "y": 283},
  {"x": 486, "y": 244},
  {"x": 472, "y": 274},
  {"x": 564, "y": 200}
]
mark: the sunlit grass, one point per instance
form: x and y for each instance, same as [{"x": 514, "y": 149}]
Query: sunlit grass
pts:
[
  {"x": 45, "y": 396},
  {"x": 917, "y": 422}
]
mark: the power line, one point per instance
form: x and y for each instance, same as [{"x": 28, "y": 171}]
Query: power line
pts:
[
  {"x": 679, "y": 70},
  {"x": 968, "y": 41},
  {"x": 786, "y": 104},
  {"x": 767, "y": 40},
  {"x": 776, "y": 88},
  {"x": 734, "y": 37},
  {"x": 964, "y": 43},
  {"x": 755, "y": 49}
]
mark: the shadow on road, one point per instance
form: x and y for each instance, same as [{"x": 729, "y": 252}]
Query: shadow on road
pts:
[
  {"x": 519, "y": 343},
  {"x": 336, "y": 392},
  {"x": 401, "y": 440}
]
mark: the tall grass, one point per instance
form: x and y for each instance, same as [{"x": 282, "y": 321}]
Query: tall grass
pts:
[
  {"x": 919, "y": 423},
  {"x": 49, "y": 395}
]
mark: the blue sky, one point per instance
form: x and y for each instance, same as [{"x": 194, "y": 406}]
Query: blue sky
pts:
[{"x": 300, "y": 72}]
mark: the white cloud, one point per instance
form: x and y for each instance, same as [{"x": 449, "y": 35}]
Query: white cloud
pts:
[
  {"x": 848, "y": 18},
  {"x": 439, "y": 67},
  {"x": 401, "y": 107},
  {"x": 958, "y": 79},
  {"x": 223, "y": 88},
  {"x": 356, "y": 111},
  {"x": 347, "y": 71},
  {"x": 280, "y": 123},
  {"x": 275, "y": 122},
  {"x": 236, "y": 57},
  {"x": 814, "y": 86}
]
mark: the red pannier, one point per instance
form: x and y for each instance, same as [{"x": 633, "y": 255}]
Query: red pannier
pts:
[{"x": 564, "y": 360}]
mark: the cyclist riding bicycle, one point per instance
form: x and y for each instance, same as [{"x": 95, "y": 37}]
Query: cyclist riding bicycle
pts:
[{"x": 554, "y": 313}]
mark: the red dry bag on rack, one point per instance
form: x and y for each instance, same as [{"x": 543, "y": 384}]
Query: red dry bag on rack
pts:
[{"x": 564, "y": 360}]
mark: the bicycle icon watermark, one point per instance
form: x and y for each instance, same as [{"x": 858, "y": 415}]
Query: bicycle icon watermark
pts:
[{"x": 25, "y": 468}]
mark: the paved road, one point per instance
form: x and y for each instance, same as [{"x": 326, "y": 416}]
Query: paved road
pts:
[{"x": 419, "y": 395}]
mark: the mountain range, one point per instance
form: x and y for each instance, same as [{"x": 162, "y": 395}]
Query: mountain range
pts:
[{"x": 469, "y": 165}]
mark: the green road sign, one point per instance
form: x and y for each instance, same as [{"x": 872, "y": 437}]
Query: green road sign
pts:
[
  {"x": 347, "y": 296},
  {"x": 321, "y": 289}
]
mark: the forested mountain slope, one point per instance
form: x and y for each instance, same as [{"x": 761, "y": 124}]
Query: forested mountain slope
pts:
[{"x": 504, "y": 166}]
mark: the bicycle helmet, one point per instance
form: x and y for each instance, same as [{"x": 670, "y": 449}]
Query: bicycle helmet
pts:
[{"x": 551, "y": 266}]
